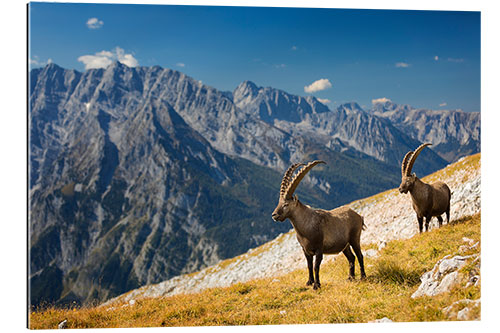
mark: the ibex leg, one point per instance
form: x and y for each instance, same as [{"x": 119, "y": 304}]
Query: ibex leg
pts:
[
  {"x": 420, "y": 223},
  {"x": 440, "y": 220},
  {"x": 310, "y": 268},
  {"x": 357, "y": 249},
  {"x": 427, "y": 220},
  {"x": 350, "y": 257},
  {"x": 317, "y": 263}
]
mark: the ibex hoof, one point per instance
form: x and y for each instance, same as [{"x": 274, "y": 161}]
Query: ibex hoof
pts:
[
  {"x": 316, "y": 285},
  {"x": 351, "y": 278},
  {"x": 309, "y": 283}
]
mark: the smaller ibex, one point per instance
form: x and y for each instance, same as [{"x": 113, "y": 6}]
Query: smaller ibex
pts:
[
  {"x": 319, "y": 231},
  {"x": 428, "y": 200}
]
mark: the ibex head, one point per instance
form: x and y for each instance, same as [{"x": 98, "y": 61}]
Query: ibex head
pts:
[
  {"x": 287, "y": 200},
  {"x": 407, "y": 178}
]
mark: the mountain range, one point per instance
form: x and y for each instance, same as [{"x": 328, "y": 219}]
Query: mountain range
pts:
[
  {"x": 454, "y": 133},
  {"x": 137, "y": 175}
]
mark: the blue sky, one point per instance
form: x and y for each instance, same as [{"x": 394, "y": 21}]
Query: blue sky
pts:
[{"x": 428, "y": 59}]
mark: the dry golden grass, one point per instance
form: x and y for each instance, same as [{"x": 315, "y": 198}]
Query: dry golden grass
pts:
[
  {"x": 392, "y": 278},
  {"x": 468, "y": 163}
]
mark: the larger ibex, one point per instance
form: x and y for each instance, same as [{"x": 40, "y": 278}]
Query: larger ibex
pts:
[
  {"x": 428, "y": 200},
  {"x": 319, "y": 231}
]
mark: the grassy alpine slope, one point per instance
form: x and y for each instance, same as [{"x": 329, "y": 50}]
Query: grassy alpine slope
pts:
[{"x": 393, "y": 276}]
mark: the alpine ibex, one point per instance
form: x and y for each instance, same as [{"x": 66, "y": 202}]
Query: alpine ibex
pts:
[
  {"x": 428, "y": 200},
  {"x": 319, "y": 231}
]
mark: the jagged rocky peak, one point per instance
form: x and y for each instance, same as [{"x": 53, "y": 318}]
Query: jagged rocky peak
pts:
[
  {"x": 118, "y": 78},
  {"x": 52, "y": 68},
  {"x": 317, "y": 106},
  {"x": 270, "y": 104},
  {"x": 390, "y": 106},
  {"x": 350, "y": 106},
  {"x": 246, "y": 88},
  {"x": 53, "y": 78}
]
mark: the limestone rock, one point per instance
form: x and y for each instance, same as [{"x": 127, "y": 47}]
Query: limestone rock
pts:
[
  {"x": 382, "y": 320},
  {"x": 62, "y": 324},
  {"x": 461, "y": 310},
  {"x": 442, "y": 277},
  {"x": 371, "y": 253}
]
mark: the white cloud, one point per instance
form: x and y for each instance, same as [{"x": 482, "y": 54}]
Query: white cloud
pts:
[
  {"x": 318, "y": 85},
  {"x": 100, "y": 60},
  {"x": 443, "y": 104},
  {"x": 105, "y": 58},
  {"x": 280, "y": 66},
  {"x": 381, "y": 100},
  {"x": 35, "y": 61},
  {"x": 181, "y": 64},
  {"x": 294, "y": 48},
  {"x": 324, "y": 100},
  {"x": 402, "y": 65},
  {"x": 436, "y": 58},
  {"x": 94, "y": 23},
  {"x": 455, "y": 59}
]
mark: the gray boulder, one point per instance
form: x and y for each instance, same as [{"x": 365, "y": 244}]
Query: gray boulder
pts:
[
  {"x": 382, "y": 320},
  {"x": 442, "y": 277},
  {"x": 461, "y": 310}
]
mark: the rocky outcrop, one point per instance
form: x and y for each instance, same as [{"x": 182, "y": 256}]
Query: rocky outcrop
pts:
[
  {"x": 447, "y": 274},
  {"x": 443, "y": 277},
  {"x": 461, "y": 310},
  {"x": 381, "y": 320}
]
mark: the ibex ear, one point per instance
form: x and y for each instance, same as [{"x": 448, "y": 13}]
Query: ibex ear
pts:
[{"x": 295, "y": 198}]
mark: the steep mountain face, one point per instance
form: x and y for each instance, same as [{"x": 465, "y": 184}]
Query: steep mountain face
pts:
[
  {"x": 125, "y": 193},
  {"x": 454, "y": 134},
  {"x": 346, "y": 128},
  {"x": 141, "y": 174}
]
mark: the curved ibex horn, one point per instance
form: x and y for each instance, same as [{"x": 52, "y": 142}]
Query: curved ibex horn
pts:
[
  {"x": 414, "y": 157},
  {"x": 405, "y": 163},
  {"x": 287, "y": 177},
  {"x": 298, "y": 177}
]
